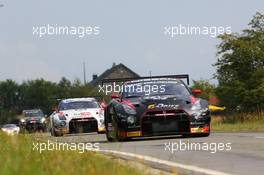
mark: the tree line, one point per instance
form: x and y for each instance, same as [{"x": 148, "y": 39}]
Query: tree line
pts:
[
  {"x": 239, "y": 69},
  {"x": 38, "y": 93}
]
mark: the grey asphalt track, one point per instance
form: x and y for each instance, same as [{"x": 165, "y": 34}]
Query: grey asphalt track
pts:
[{"x": 246, "y": 156}]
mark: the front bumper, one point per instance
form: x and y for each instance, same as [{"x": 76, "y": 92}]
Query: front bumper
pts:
[
  {"x": 33, "y": 125},
  {"x": 80, "y": 125},
  {"x": 200, "y": 125},
  {"x": 158, "y": 124},
  {"x": 101, "y": 129},
  {"x": 11, "y": 132},
  {"x": 200, "y": 129}
]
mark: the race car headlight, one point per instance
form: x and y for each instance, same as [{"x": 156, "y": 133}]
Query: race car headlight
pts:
[
  {"x": 196, "y": 106},
  {"x": 129, "y": 110},
  {"x": 22, "y": 120},
  {"x": 131, "y": 120},
  {"x": 101, "y": 121},
  {"x": 43, "y": 120},
  {"x": 60, "y": 124}
]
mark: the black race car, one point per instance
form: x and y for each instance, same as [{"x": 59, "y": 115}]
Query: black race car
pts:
[
  {"x": 33, "y": 120},
  {"x": 155, "y": 106}
]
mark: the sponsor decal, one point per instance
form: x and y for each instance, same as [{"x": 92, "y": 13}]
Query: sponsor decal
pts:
[
  {"x": 133, "y": 134},
  {"x": 152, "y": 106},
  {"x": 161, "y": 105}
]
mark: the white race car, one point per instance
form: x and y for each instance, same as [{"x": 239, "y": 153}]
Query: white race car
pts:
[{"x": 77, "y": 115}]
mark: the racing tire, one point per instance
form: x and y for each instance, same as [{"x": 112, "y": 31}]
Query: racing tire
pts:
[
  {"x": 55, "y": 134},
  {"x": 200, "y": 135},
  {"x": 117, "y": 137},
  {"x": 204, "y": 135},
  {"x": 186, "y": 135},
  {"x": 110, "y": 139}
]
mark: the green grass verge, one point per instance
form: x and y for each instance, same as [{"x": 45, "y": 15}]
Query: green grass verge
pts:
[
  {"x": 238, "y": 127},
  {"x": 17, "y": 157},
  {"x": 238, "y": 123}
]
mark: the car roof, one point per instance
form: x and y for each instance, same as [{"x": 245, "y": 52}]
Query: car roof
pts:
[
  {"x": 69, "y": 100},
  {"x": 149, "y": 80}
]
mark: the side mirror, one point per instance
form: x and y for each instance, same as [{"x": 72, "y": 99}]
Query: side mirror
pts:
[
  {"x": 196, "y": 91},
  {"x": 114, "y": 95},
  {"x": 103, "y": 104}
]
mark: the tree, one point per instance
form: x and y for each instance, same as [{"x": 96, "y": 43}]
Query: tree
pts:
[
  {"x": 240, "y": 67},
  {"x": 64, "y": 88},
  {"x": 38, "y": 94},
  {"x": 9, "y": 94},
  {"x": 208, "y": 90}
]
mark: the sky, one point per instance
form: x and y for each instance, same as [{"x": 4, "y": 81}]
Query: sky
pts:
[{"x": 131, "y": 32}]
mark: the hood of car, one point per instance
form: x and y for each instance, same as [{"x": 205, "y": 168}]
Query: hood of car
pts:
[
  {"x": 82, "y": 113},
  {"x": 161, "y": 101}
]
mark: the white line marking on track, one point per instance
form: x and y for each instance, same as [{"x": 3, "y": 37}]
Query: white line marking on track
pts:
[
  {"x": 165, "y": 162},
  {"x": 259, "y": 137},
  {"x": 168, "y": 163}
]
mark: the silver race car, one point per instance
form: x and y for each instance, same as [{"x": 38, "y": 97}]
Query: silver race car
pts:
[{"x": 10, "y": 129}]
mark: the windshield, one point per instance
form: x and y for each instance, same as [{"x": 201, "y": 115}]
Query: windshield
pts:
[
  {"x": 78, "y": 105},
  {"x": 152, "y": 89},
  {"x": 33, "y": 113}
]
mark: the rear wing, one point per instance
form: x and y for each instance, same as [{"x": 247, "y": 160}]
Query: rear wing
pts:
[{"x": 180, "y": 76}]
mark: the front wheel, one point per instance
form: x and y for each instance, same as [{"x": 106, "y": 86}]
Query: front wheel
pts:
[
  {"x": 56, "y": 134},
  {"x": 110, "y": 139},
  {"x": 115, "y": 137},
  {"x": 203, "y": 135}
]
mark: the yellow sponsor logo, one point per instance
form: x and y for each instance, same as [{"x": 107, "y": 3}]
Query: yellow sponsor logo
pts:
[
  {"x": 151, "y": 106},
  {"x": 196, "y": 130},
  {"x": 101, "y": 129},
  {"x": 134, "y": 134}
]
